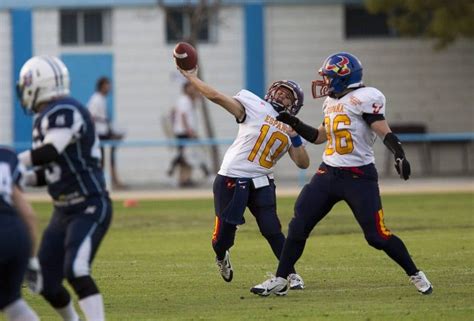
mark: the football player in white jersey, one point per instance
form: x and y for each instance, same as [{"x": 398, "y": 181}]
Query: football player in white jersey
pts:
[
  {"x": 245, "y": 178},
  {"x": 353, "y": 118}
]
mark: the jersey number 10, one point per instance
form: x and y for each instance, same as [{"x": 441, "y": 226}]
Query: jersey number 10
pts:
[{"x": 263, "y": 161}]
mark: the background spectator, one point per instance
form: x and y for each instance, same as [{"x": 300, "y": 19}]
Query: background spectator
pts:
[
  {"x": 184, "y": 124},
  {"x": 98, "y": 108}
]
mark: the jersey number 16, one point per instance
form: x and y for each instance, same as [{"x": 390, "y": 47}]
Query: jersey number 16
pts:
[{"x": 342, "y": 143}]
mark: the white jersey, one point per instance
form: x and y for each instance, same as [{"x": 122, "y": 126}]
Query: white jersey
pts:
[
  {"x": 184, "y": 108},
  {"x": 350, "y": 139},
  {"x": 260, "y": 142},
  {"x": 97, "y": 106}
]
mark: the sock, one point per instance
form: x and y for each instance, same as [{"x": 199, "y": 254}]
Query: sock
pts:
[
  {"x": 277, "y": 242},
  {"x": 20, "y": 311},
  {"x": 93, "y": 307},
  {"x": 68, "y": 313},
  {"x": 397, "y": 251},
  {"x": 292, "y": 251}
]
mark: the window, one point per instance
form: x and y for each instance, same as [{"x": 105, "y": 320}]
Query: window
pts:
[
  {"x": 362, "y": 24},
  {"x": 179, "y": 24},
  {"x": 85, "y": 27}
]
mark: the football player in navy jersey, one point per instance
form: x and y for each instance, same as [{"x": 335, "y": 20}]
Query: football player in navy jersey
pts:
[
  {"x": 354, "y": 115},
  {"x": 65, "y": 157},
  {"x": 17, "y": 240}
]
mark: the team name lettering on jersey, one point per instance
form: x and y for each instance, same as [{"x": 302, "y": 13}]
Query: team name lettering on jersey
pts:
[
  {"x": 273, "y": 122},
  {"x": 339, "y": 108}
]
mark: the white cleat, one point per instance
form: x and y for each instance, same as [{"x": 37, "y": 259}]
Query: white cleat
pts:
[
  {"x": 225, "y": 267},
  {"x": 296, "y": 282},
  {"x": 275, "y": 285},
  {"x": 421, "y": 282}
]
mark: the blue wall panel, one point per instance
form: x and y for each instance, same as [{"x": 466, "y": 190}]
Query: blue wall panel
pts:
[
  {"x": 84, "y": 70},
  {"x": 254, "y": 48},
  {"x": 22, "y": 44}
]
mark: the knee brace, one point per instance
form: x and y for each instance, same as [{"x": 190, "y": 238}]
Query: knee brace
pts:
[{"x": 84, "y": 286}]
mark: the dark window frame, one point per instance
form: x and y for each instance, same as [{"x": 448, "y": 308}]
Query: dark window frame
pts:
[
  {"x": 183, "y": 28},
  {"x": 80, "y": 38},
  {"x": 360, "y": 24}
]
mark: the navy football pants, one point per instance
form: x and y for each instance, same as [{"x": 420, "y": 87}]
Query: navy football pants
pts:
[
  {"x": 262, "y": 205},
  {"x": 15, "y": 249},
  {"x": 71, "y": 241},
  {"x": 358, "y": 187}
]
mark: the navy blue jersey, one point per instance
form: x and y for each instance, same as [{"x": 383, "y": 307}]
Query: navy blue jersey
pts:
[
  {"x": 10, "y": 175},
  {"x": 76, "y": 172}
]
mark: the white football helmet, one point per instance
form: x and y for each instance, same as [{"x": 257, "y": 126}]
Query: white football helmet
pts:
[{"x": 42, "y": 78}]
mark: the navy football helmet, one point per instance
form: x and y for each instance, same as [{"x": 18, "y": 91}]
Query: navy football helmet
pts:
[
  {"x": 340, "y": 71},
  {"x": 295, "y": 89}
]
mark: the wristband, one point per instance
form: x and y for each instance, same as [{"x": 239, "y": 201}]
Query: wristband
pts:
[
  {"x": 296, "y": 141},
  {"x": 394, "y": 145}
]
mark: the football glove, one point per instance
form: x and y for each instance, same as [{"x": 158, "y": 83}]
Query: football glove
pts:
[
  {"x": 403, "y": 168},
  {"x": 33, "y": 277},
  {"x": 288, "y": 119}
]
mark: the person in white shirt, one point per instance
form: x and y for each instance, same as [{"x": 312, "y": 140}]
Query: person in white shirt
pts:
[
  {"x": 184, "y": 124},
  {"x": 245, "y": 179},
  {"x": 354, "y": 115},
  {"x": 97, "y": 106}
]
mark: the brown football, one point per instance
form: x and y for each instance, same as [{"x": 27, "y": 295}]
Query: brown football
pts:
[{"x": 185, "y": 56}]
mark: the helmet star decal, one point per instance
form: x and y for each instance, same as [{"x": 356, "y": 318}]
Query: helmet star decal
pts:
[
  {"x": 28, "y": 79},
  {"x": 341, "y": 68}
]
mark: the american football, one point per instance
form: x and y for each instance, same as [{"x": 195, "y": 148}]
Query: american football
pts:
[{"x": 185, "y": 56}]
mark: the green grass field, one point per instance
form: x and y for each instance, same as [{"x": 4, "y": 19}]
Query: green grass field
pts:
[{"x": 157, "y": 263}]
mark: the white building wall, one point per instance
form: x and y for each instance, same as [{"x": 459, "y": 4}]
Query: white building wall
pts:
[
  {"x": 6, "y": 99},
  {"x": 46, "y": 32},
  {"x": 420, "y": 85},
  {"x": 146, "y": 86}
]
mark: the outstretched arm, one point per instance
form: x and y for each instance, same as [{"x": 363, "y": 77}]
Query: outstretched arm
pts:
[
  {"x": 228, "y": 103},
  {"x": 311, "y": 134}
]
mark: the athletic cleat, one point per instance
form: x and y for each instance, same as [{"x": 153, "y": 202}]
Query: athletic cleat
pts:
[
  {"x": 275, "y": 285},
  {"x": 296, "y": 282},
  {"x": 225, "y": 267},
  {"x": 421, "y": 282}
]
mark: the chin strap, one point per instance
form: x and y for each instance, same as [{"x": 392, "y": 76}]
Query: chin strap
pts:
[{"x": 278, "y": 108}]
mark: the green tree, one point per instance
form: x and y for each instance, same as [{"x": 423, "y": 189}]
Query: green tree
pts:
[{"x": 442, "y": 20}]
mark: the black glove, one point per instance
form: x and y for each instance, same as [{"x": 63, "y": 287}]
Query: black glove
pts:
[
  {"x": 287, "y": 118},
  {"x": 403, "y": 168},
  {"x": 33, "y": 277}
]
